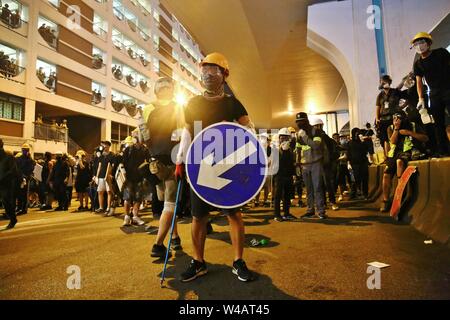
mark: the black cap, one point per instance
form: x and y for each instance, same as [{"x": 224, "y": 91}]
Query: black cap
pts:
[
  {"x": 301, "y": 116},
  {"x": 107, "y": 142}
]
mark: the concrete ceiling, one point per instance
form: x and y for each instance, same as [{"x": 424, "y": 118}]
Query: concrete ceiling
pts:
[{"x": 272, "y": 71}]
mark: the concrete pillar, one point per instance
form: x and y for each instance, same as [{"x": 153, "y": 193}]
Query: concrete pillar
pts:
[
  {"x": 29, "y": 117},
  {"x": 106, "y": 130}
]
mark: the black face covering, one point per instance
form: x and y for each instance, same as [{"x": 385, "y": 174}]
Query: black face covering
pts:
[
  {"x": 302, "y": 125},
  {"x": 212, "y": 82}
]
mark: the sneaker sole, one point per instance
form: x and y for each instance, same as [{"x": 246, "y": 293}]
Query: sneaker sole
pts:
[
  {"x": 154, "y": 255},
  {"x": 241, "y": 279},
  {"x": 199, "y": 274}
]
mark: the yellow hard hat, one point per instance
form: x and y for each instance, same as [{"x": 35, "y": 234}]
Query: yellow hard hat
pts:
[
  {"x": 19, "y": 154},
  {"x": 422, "y": 35},
  {"x": 217, "y": 59},
  {"x": 128, "y": 140},
  {"x": 81, "y": 153},
  {"x": 291, "y": 130},
  {"x": 25, "y": 146}
]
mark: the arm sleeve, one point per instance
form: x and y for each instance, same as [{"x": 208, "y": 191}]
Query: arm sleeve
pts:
[
  {"x": 378, "y": 102},
  {"x": 184, "y": 145},
  {"x": 417, "y": 69},
  {"x": 238, "y": 109}
]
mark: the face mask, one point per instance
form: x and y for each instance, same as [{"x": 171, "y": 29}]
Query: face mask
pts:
[
  {"x": 421, "y": 48},
  {"x": 384, "y": 86},
  {"x": 285, "y": 145},
  {"x": 343, "y": 141},
  {"x": 134, "y": 140},
  {"x": 98, "y": 154},
  {"x": 25, "y": 152},
  {"x": 212, "y": 82},
  {"x": 409, "y": 83}
]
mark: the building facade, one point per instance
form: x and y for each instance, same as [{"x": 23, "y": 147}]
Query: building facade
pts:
[{"x": 92, "y": 63}]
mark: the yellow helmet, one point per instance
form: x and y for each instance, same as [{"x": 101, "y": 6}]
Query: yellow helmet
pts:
[
  {"x": 291, "y": 130},
  {"x": 128, "y": 140},
  {"x": 81, "y": 153},
  {"x": 19, "y": 154},
  {"x": 422, "y": 35},
  {"x": 217, "y": 59},
  {"x": 26, "y": 146}
]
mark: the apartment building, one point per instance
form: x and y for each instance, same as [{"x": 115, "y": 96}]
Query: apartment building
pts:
[{"x": 92, "y": 63}]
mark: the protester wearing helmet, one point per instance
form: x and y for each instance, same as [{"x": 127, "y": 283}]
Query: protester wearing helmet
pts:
[
  {"x": 403, "y": 137},
  {"x": 434, "y": 67},
  {"x": 331, "y": 156},
  {"x": 283, "y": 173},
  {"x": 25, "y": 164},
  {"x": 387, "y": 104},
  {"x": 212, "y": 107},
  {"x": 310, "y": 157},
  {"x": 164, "y": 124}
]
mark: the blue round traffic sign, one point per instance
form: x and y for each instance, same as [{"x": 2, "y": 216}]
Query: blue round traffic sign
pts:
[{"x": 226, "y": 165}]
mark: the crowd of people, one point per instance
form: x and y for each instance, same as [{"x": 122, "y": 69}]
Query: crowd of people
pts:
[
  {"x": 49, "y": 34},
  {"x": 300, "y": 158},
  {"x": 8, "y": 67},
  {"x": 11, "y": 18}
]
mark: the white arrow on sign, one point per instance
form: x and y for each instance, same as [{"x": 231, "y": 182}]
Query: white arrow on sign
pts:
[{"x": 209, "y": 174}]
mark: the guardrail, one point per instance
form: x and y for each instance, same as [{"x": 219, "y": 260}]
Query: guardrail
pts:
[{"x": 43, "y": 131}]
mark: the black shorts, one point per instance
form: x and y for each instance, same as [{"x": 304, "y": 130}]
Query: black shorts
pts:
[
  {"x": 200, "y": 208},
  {"x": 133, "y": 192},
  {"x": 383, "y": 135},
  {"x": 391, "y": 163}
]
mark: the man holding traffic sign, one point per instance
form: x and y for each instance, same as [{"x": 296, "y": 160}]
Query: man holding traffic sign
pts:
[{"x": 213, "y": 107}]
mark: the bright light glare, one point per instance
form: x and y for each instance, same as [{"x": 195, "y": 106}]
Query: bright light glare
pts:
[{"x": 181, "y": 99}]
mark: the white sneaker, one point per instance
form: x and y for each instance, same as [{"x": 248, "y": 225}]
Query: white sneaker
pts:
[
  {"x": 110, "y": 212},
  {"x": 138, "y": 221},
  {"x": 126, "y": 221}
]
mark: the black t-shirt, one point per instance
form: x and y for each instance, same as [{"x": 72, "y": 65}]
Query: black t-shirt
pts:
[
  {"x": 210, "y": 112},
  {"x": 436, "y": 70},
  {"x": 105, "y": 160},
  {"x": 357, "y": 152},
  {"x": 389, "y": 103},
  {"x": 133, "y": 157},
  {"x": 162, "y": 124}
]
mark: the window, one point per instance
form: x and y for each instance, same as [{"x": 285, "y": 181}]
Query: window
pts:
[
  {"x": 54, "y": 3},
  {"x": 100, "y": 26},
  {"x": 12, "y": 107}
]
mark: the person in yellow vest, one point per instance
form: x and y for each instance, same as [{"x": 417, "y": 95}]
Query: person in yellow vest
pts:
[{"x": 403, "y": 136}]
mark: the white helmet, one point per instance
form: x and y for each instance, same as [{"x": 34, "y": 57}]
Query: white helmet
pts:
[
  {"x": 284, "y": 132},
  {"x": 316, "y": 121}
]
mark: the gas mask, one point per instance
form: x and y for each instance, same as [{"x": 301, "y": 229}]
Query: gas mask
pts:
[
  {"x": 384, "y": 86},
  {"x": 421, "y": 47},
  {"x": 409, "y": 83},
  {"x": 302, "y": 125},
  {"x": 212, "y": 81},
  {"x": 285, "y": 145}
]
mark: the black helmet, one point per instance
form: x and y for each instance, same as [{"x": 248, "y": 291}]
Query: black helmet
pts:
[
  {"x": 386, "y": 78},
  {"x": 301, "y": 116}
]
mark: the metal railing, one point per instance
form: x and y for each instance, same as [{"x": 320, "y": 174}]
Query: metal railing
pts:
[{"x": 48, "y": 132}]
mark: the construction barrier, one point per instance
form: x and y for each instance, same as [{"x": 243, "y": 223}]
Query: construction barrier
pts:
[{"x": 428, "y": 194}]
